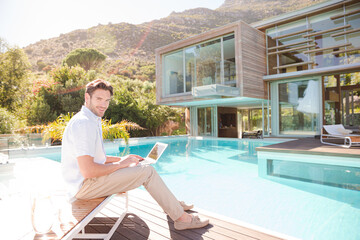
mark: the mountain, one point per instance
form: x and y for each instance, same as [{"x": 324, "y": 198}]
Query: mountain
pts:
[{"x": 126, "y": 42}]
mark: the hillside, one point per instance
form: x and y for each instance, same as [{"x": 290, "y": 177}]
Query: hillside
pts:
[{"x": 124, "y": 41}]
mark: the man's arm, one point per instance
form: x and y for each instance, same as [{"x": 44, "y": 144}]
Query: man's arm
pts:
[{"x": 91, "y": 169}]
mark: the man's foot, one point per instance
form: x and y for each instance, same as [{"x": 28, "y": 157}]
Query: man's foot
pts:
[
  {"x": 195, "y": 222},
  {"x": 185, "y": 206}
]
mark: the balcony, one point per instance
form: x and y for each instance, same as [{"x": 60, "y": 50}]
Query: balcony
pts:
[{"x": 215, "y": 91}]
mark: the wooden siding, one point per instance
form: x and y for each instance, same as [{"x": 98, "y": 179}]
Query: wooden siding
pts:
[{"x": 252, "y": 61}]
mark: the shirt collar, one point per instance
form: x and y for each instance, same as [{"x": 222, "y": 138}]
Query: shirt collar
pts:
[{"x": 90, "y": 114}]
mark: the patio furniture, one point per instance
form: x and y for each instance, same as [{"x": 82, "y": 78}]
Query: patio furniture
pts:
[
  {"x": 85, "y": 210},
  {"x": 253, "y": 134},
  {"x": 337, "y": 135}
]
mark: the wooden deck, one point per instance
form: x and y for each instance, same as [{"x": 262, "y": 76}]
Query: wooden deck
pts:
[
  {"x": 146, "y": 220},
  {"x": 311, "y": 146}
]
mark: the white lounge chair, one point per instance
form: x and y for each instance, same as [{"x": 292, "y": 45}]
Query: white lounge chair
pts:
[{"x": 331, "y": 134}]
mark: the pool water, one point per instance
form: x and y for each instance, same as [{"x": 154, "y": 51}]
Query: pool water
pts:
[{"x": 221, "y": 176}]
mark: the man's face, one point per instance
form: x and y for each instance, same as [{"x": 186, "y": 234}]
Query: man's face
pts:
[{"x": 98, "y": 102}]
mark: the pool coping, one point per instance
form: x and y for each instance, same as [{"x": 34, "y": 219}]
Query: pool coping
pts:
[
  {"x": 244, "y": 224},
  {"x": 31, "y": 151}
]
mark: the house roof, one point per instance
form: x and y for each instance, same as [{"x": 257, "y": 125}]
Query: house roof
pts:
[{"x": 295, "y": 15}]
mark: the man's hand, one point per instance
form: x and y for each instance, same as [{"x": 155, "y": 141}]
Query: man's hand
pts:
[
  {"x": 130, "y": 160},
  {"x": 91, "y": 169}
]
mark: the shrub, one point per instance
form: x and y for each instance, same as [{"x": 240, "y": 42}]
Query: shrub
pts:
[
  {"x": 65, "y": 45},
  {"x": 55, "y": 130},
  {"x": 8, "y": 122},
  {"x": 40, "y": 112}
]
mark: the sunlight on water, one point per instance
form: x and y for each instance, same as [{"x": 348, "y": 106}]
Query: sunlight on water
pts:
[{"x": 222, "y": 177}]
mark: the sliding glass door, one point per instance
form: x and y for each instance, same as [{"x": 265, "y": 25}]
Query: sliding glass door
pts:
[
  {"x": 296, "y": 110},
  {"x": 341, "y": 99}
]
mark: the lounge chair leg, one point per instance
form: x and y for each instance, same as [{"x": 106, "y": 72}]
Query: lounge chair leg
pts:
[{"x": 106, "y": 236}]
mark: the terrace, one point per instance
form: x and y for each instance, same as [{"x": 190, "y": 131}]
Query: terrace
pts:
[{"x": 144, "y": 220}]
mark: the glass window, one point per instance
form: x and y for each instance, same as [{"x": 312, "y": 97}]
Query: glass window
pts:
[
  {"x": 342, "y": 99},
  {"x": 331, "y": 100},
  {"x": 293, "y": 57},
  {"x": 272, "y": 60},
  {"x": 290, "y": 28},
  {"x": 350, "y": 99},
  {"x": 229, "y": 61},
  {"x": 173, "y": 76},
  {"x": 208, "y": 63},
  {"x": 189, "y": 68},
  {"x": 204, "y": 121},
  {"x": 251, "y": 119},
  {"x": 299, "y": 107},
  {"x": 203, "y": 66},
  {"x": 321, "y": 22},
  {"x": 294, "y": 46},
  {"x": 353, "y": 38}
]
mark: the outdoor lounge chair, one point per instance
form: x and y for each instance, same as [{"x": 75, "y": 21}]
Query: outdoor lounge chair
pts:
[
  {"x": 84, "y": 211},
  {"x": 337, "y": 135},
  {"x": 253, "y": 134}
]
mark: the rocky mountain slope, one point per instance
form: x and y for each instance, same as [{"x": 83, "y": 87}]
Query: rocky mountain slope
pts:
[{"x": 124, "y": 41}]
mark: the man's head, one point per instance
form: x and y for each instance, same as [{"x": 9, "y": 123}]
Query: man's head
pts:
[{"x": 97, "y": 96}]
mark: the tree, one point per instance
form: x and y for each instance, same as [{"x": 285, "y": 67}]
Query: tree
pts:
[
  {"x": 135, "y": 101},
  {"x": 3, "y": 45},
  {"x": 14, "y": 66},
  {"x": 87, "y": 58},
  {"x": 60, "y": 93}
]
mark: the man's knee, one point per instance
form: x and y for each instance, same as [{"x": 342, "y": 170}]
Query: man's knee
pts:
[{"x": 149, "y": 169}]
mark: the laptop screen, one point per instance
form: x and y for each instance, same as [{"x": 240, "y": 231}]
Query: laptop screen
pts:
[{"x": 156, "y": 151}]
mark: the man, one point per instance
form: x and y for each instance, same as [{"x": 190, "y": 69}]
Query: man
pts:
[{"x": 89, "y": 173}]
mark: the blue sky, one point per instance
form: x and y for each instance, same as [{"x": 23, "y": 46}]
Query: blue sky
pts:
[{"x": 23, "y": 22}]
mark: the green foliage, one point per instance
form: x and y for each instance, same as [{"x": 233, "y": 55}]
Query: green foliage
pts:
[
  {"x": 135, "y": 101},
  {"x": 87, "y": 58},
  {"x": 62, "y": 91},
  {"x": 40, "y": 64},
  {"x": 8, "y": 122},
  {"x": 55, "y": 130},
  {"x": 67, "y": 75},
  {"x": 3, "y": 45},
  {"x": 118, "y": 130},
  {"x": 135, "y": 70},
  {"x": 14, "y": 67},
  {"x": 40, "y": 112}
]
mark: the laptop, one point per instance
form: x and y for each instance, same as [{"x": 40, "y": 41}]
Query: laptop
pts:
[{"x": 155, "y": 153}]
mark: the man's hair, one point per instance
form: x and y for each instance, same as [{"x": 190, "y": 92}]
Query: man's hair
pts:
[{"x": 98, "y": 84}]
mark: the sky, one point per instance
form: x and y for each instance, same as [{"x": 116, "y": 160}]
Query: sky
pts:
[{"x": 23, "y": 22}]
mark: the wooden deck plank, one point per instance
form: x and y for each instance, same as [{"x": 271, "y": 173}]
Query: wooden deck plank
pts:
[
  {"x": 311, "y": 146},
  {"x": 147, "y": 219},
  {"x": 159, "y": 222},
  {"x": 219, "y": 228}
]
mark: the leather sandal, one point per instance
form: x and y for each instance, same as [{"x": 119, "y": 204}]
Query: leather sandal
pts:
[
  {"x": 196, "y": 222},
  {"x": 185, "y": 206}
]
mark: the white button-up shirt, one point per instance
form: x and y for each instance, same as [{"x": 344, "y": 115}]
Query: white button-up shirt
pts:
[{"x": 82, "y": 136}]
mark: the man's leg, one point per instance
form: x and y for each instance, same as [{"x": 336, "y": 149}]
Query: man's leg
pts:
[{"x": 126, "y": 179}]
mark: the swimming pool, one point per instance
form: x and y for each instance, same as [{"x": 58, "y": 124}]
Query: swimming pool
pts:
[{"x": 221, "y": 176}]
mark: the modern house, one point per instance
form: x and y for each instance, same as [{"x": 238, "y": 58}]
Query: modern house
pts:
[{"x": 286, "y": 76}]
